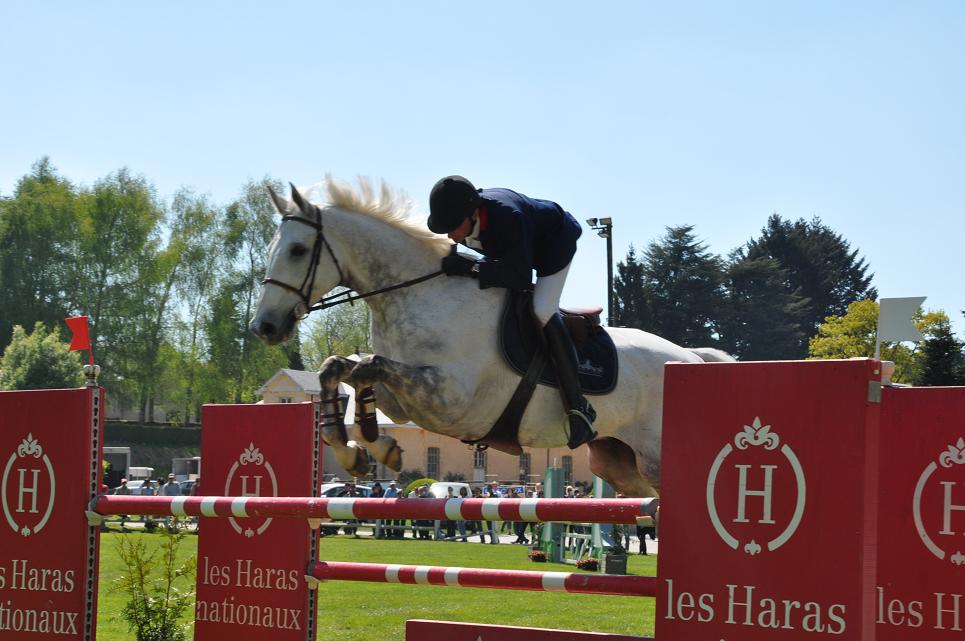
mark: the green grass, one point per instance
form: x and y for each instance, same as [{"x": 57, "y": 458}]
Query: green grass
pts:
[{"x": 356, "y": 611}]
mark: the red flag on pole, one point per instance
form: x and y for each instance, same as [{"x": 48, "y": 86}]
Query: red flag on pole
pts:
[{"x": 81, "y": 335}]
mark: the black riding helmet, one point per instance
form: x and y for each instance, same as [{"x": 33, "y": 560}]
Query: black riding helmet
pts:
[{"x": 452, "y": 200}]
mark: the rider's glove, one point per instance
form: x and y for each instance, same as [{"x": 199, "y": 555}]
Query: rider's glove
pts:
[{"x": 457, "y": 265}]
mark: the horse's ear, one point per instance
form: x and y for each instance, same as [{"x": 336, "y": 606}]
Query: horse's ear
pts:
[
  {"x": 280, "y": 203},
  {"x": 299, "y": 199}
]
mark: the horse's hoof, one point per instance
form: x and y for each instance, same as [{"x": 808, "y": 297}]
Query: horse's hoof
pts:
[
  {"x": 361, "y": 467},
  {"x": 394, "y": 460}
]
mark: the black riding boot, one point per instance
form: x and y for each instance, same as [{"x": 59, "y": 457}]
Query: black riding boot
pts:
[{"x": 579, "y": 412}]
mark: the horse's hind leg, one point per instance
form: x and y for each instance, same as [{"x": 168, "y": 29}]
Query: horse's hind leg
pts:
[
  {"x": 615, "y": 462},
  {"x": 352, "y": 458}
]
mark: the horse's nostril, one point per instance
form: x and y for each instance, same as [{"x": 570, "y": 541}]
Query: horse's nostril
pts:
[{"x": 267, "y": 330}]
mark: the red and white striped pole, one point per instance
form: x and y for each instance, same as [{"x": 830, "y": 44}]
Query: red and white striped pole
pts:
[
  {"x": 534, "y": 510},
  {"x": 573, "y": 582}
]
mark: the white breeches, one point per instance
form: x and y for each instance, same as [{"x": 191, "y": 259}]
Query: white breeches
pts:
[{"x": 546, "y": 295}]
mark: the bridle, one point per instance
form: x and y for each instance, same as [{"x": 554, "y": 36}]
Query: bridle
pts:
[{"x": 305, "y": 307}]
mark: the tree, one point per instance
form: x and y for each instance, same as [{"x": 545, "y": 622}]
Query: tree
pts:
[
  {"x": 682, "y": 288},
  {"x": 119, "y": 282},
  {"x": 39, "y": 226},
  {"x": 197, "y": 228},
  {"x": 942, "y": 359},
  {"x": 39, "y": 360},
  {"x": 250, "y": 227},
  {"x": 761, "y": 320},
  {"x": 631, "y": 301},
  {"x": 854, "y": 334},
  {"x": 339, "y": 330},
  {"x": 818, "y": 265}
]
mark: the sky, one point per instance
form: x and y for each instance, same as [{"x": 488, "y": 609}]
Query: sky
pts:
[{"x": 714, "y": 114}]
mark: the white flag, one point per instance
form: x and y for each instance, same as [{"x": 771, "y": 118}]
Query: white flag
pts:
[{"x": 894, "y": 319}]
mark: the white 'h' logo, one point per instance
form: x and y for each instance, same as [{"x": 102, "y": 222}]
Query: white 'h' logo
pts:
[
  {"x": 756, "y": 435},
  {"x": 29, "y": 447},
  {"x": 32, "y": 491},
  {"x": 743, "y": 493}
]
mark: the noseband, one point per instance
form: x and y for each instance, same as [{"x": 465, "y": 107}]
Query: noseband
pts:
[{"x": 302, "y": 310}]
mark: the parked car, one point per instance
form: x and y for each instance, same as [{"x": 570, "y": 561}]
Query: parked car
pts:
[
  {"x": 186, "y": 487},
  {"x": 333, "y": 490},
  {"x": 440, "y": 489}
]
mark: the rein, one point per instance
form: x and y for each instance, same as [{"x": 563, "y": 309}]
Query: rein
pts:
[
  {"x": 329, "y": 301},
  {"x": 306, "y": 307}
]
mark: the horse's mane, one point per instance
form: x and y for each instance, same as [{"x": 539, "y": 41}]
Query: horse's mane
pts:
[{"x": 387, "y": 205}]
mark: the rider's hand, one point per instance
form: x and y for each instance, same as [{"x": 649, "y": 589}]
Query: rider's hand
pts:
[{"x": 456, "y": 265}]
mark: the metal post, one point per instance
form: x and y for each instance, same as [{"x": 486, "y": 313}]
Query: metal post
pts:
[
  {"x": 604, "y": 228},
  {"x": 609, "y": 274}
]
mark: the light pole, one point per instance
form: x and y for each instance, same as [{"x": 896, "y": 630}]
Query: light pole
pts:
[{"x": 604, "y": 228}]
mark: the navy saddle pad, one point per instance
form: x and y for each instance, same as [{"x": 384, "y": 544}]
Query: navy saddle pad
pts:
[{"x": 519, "y": 339}]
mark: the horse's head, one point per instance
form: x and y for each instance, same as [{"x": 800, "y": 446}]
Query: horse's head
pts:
[{"x": 301, "y": 267}]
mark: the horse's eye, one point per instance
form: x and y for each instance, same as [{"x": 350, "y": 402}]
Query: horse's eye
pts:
[{"x": 298, "y": 250}]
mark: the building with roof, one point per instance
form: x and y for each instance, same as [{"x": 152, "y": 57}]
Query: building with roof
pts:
[{"x": 435, "y": 455}]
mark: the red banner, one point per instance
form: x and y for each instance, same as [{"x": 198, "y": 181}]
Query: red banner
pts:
[
  {"x": 49, "y": 466},
  {"x": 418, "y": 630},
  {"x": 768, "y": 488},
  {"x": 251, "y": 571},
  {"x": 80, "y": 339},
  {"x": 920, "y": 591}
]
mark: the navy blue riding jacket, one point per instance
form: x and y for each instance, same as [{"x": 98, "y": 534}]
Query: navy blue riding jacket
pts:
[{"x": 520, "y": 234}]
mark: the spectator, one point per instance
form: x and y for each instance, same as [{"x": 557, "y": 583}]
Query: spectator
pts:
[
  {"x": 492, "y": 492},
  {"x": 171, "y": 488},
  {"x": 425, "y": 525},
  {"x": 621, "y": 531},
  {"x": 351, "y": 525},
  {"x": 123, "y": 490},
  {"x": 519, "y": 527},
  {"x": 476, "y": 527},
  {"x": 394, "y": 532},
  {"x": 507, "y": 526},
  {"x": 463, "y": 525},
  {"x": 378, "y": 493},
  {"x": 450, "y": 525}
]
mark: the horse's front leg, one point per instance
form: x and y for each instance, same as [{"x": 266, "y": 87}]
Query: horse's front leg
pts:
[
  {"x": 383, "y": 447},
  {"x": 352, "y": 458},
  {"x": 407, "y": 381},
  {"x": 372, "y": 369}
]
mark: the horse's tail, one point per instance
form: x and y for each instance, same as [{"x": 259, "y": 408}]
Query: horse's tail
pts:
[{"x": 713, "y": 355}]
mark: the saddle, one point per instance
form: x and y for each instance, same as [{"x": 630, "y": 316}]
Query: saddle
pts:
[
  {"x": 520, "y": 339},
  {"x": 522, "y": 344}
]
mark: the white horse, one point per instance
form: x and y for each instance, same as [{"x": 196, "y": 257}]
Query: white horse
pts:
[{"x": 437, "y": 361}]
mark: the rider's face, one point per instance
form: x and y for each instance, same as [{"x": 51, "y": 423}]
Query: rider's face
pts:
[{"x": 459, "y": 233}]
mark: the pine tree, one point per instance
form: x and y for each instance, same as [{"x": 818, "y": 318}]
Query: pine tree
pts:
[
  {"x": 942, "y": 358},
  {"x": 761, "y": 320},
  {"x": 818, "y": 265},
  {"x": 631, "y": 305},
  {"x": 681, "y": 289}
]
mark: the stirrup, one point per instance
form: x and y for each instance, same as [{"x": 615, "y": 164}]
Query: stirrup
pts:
[{"x": 587, "y": 434}]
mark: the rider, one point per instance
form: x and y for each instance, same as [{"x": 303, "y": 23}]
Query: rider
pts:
[{"x": 517, "y": 234}]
